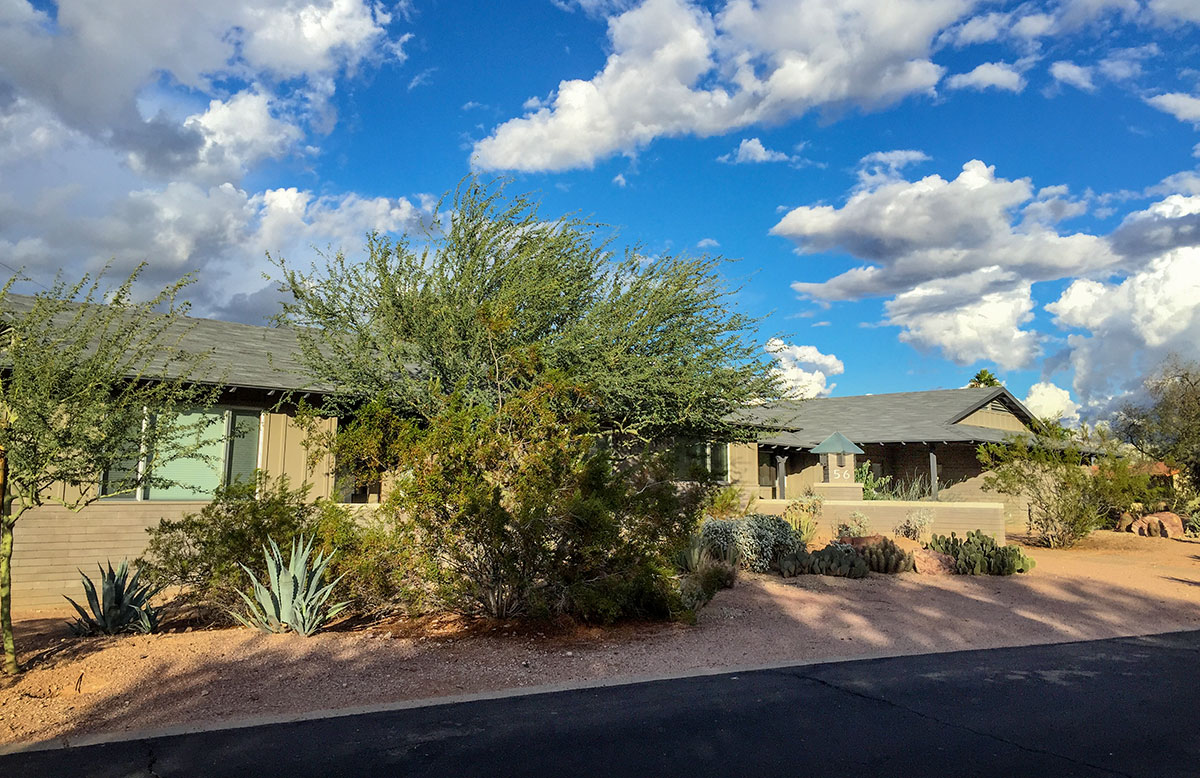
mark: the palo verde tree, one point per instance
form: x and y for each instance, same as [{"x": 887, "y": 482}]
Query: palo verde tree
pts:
[
  {"x": 94, "y": 391},
  {"x": 512, "y": 371}
]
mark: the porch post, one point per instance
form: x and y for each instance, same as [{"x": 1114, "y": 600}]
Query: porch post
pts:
[
  {"x": 933, "y": 478},
  {"x": 781, "y": 476}
]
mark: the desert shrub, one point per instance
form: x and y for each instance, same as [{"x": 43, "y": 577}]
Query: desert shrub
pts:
[
  {"x": 803, "y": 513},
  {"x": 1121, "y": 484},
  {"x": 915, "y": 525},
  {"x": 759, "y": 539},
  {"x": 726, "y": 503},
  {"x": 377, "y": 559},
  {"x": 874, "y": 487},
  {"x": 715, "y": 575},
  {"x": 204, "y": 553},
  {"x": 520, "y": 511},
  {"x": 1050, "y": 471},
  {"x": 856, "y": 526},
  {"x": 980, "y": 554}
]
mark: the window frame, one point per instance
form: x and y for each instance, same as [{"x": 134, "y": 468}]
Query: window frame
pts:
[{"x": 227, "y": 411}]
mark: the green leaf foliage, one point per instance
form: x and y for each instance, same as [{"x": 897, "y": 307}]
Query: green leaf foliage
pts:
[
  {"x": 474, "y": 312},
  {"x": 204, "y": 553}
]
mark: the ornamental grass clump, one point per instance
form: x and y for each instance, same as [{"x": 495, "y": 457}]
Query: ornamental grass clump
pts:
[
  {"x": 293, "y": 599},
  {"x": 122, "y": 606}
]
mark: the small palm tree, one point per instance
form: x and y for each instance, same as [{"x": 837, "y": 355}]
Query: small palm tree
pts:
[{"x": 984, "y": 377}]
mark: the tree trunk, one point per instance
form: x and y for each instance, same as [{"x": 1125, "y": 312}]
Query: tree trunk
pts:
[{"x": 6, "y": 549}]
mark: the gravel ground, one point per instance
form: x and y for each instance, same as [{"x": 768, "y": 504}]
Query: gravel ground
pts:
[{"x": 1114, "y": 585}]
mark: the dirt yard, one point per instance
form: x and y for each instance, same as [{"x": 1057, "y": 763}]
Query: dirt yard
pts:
[{"x": 1113, "y": 585}]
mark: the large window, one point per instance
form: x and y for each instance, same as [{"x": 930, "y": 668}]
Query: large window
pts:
[
  {"x": 228, "y": 452},
  {"x": 695, "y": 459}
]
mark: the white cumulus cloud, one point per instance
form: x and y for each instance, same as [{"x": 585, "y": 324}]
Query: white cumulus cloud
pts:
[
  {"x": 1047, "y": 400},
  {"x": 678, "y": 68},
  {"x": 1074, "y": 75},
  {"x": 995, "y": 75},
  {"x": 752, "y": 150},
  {"x": 805, "y": 371}
]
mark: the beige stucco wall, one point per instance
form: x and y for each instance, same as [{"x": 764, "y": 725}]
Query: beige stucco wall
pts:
[
  {"x": 51, "y": 543},
  {"x": 886, "y": 515}
]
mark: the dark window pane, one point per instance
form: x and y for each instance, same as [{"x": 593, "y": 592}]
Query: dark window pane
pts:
[
  {"x": 719, "y": 461},
  {"x": 766, "y": 469},
  {"x": 242, "y": 456}
]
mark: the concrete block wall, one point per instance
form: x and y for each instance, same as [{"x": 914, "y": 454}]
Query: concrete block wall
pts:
[{"x": 886, "y": 515}]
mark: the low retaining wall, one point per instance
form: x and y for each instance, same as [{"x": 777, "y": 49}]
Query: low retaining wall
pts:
[
  {"x": 51, "y": 545},
  {"x": 886, "y": 515}
]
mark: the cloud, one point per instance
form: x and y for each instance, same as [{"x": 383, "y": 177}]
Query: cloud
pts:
[
  {"x": 997, "y": 75},
  {"x": 1049, "y": 401},
  {"x": 619, "y": 180},
  {"x": 678, "y": 69},
  {"x": 751, "y": 150},
  {"x": 1171, "y": 223},
  {"x": 708, "y": 243},
  {"x": 804, "y": 369},
  {"x": 970, "y": 318},
  {"x": 1075, "y": 75},
  {"x": 913, "y": 233},
  {"x": 1124, "y": 329},
  {"x": 137, "y": 102},
  {"x": 1184, "y": 107}
]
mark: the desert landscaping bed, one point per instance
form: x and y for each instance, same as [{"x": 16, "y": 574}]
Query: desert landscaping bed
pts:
[{"x": 1113, "y": 585}]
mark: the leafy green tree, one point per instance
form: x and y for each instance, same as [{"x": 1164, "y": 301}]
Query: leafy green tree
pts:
[
  {"x": 482, "y": 307},
  {"x": 1167, "y": 426},
  {"x": 984, "y": 377},
  {"x": 91, "y": 383},
  {"x": 515, "y": 380}
]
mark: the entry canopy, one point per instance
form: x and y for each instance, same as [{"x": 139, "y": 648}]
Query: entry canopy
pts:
[{"x": 837, "y": 443}]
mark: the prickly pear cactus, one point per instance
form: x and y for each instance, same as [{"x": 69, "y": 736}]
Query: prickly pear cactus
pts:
[{"x": 980, "y": 554}]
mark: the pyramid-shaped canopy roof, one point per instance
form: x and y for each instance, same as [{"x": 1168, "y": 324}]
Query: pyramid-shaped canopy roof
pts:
[{"x": 837, "y": 443}]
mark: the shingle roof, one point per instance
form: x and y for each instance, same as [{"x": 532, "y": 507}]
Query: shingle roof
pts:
[
  {"x": 903, "y": 417},
  {"x": 243, "y": 355}
]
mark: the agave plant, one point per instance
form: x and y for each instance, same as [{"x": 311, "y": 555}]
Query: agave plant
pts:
[
  {"x": 122, "y": 606},
  {"x": 293, "y": 597},
  {"x": 689, "y": 558}
]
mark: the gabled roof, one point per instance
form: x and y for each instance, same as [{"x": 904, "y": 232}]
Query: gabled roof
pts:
[
  {"x": 903, "y": 417},
  {"x": 243, "y": 355}
]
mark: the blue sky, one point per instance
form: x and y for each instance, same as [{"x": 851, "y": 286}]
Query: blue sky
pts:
[{"x": 914, "y": 189}]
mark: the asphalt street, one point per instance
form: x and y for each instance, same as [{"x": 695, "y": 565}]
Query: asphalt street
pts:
[{"x": 1123, "y": 707}]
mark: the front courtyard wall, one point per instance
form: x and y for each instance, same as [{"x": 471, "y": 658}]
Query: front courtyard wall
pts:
[{"x": 885, "y": 515}]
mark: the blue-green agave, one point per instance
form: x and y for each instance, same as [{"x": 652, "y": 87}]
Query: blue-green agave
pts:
[
  {"x": 293, "y": 597},
  {"x": 122, "y": 606}
]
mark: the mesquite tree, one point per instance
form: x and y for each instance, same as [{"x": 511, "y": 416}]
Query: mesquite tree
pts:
[{"x": 93, "y": 391}]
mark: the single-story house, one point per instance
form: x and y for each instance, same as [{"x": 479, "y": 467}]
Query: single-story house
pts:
[
  {"x": 902, "y": 435},
  {"x": 932, "y": 435}
]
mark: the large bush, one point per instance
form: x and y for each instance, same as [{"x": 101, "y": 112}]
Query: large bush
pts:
[
  {"x": 202, "y": 553},
  {"x": 522, "y": 511},
  {"x": 760, "y": 539},
  {"x": 377, "y": 558},
  {"x": 1051, "y": 471}
]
